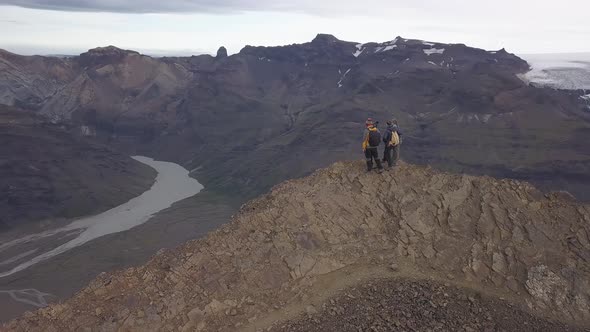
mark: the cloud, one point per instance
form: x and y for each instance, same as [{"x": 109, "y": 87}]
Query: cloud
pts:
[
  {"x": 499, "y": 12},
  {"x": 322, "y": 7},
  {"x": 145, "y": 6},
  {"x": 529, "y": 26}
]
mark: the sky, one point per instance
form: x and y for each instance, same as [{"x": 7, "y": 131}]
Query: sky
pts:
[{"x": 185, "y": 27}]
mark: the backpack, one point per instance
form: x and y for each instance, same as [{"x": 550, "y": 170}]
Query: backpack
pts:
[
  {"x": 374, "y": 138},
  {"x": 394, "y": 139}
]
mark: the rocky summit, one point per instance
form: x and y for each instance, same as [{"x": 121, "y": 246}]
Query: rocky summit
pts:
[{"x": 425, "y": 249}]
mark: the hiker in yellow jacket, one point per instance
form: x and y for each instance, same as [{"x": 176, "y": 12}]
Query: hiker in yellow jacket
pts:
[{"x": 371, "y": 141}]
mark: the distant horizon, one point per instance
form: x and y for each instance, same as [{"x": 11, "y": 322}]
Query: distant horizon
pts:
[
  {"x": 187, "y": 52},
  {"x": 187, "y": 27}
]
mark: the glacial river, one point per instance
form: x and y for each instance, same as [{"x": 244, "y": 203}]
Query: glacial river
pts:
[{"x": 172, "y": 184}]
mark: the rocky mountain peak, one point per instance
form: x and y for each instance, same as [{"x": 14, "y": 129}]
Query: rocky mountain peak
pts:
[
  {"x": 104, "y": 55},
  {"x": 340, "y": 221},
  {"x": 325, "y": 39},
  {"x": 221, "y": 53},
  {"x": 109, "y": 51}
]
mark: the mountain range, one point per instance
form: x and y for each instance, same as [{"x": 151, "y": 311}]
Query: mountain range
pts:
[{"x": 245, "y": 122}]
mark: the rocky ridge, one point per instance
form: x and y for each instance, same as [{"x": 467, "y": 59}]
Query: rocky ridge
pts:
[{"x": 342, "y": 227}]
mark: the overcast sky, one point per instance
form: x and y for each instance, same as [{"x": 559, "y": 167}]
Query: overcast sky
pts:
[{"x": 200, "y": 26}]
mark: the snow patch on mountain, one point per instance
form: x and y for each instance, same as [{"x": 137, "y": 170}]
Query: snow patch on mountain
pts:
[
  {"x": 387, "y": 46},
  {"x": 343, "y": 77},
  {"x": 433, "y": 50},
  {"x": 359, "y": 50}
]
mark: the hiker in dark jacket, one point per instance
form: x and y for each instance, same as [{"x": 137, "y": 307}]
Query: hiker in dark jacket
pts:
[
  {"x": 371, "y": 141},
  {"x": 392, "y": 144}
]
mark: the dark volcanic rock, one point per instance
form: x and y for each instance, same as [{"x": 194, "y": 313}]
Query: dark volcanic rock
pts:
[
  {"x": 221, "y": 53},
  {"x": 324, "y": 39}
]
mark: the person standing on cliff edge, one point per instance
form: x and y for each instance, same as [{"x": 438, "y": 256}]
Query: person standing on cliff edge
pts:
[
  {"x": 371, "y": 141},
  {"x": 392, "y": 140}
]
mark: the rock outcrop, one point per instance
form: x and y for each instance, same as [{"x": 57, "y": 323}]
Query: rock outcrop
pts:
[
  {"x": 502, "y": 238},
  {"x": 221, "y": 53}
]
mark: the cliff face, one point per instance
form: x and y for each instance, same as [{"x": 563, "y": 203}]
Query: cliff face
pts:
[{"x": 342, "y": 226}]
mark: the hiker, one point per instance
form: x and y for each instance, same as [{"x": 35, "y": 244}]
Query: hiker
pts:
[
  {"x": 371, "y": 142},
  {"x": 392, "y": 140}
]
